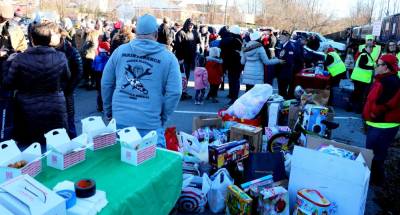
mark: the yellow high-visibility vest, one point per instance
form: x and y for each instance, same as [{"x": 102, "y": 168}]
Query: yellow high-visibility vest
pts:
[
  {"x": 337, "y": 67},
  {"x": 363, "y": 75},
  {"x": 376, "y": 51}
]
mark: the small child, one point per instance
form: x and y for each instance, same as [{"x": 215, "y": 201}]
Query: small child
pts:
[
  {"x": 215, "y": 73},
  {"x": 200, "y": 84},
  {"x": 99, "y": 63}
]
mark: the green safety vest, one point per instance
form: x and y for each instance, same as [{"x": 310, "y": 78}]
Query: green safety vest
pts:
[
  {"x": 337, "y": 67},
  {"x": 383, "y": 124},
  {"x": 398, "y": 59},
  {"x": 360, "y": 74},
  {"x": 376, "y": 51}
]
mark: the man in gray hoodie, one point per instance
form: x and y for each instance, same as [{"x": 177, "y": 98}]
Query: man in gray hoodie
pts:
[{"x": 141, "y": 84}]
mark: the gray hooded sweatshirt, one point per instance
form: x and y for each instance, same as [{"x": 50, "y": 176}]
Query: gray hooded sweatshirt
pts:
[{"x": 141, "y": 84}]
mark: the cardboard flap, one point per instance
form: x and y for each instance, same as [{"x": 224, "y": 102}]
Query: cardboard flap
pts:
[
  {"x": 149, "y": 139},
  {"x": 130, "y": 137},
  {"x": 33, "y": 149},
  {"x": 112, "y": 125},
  {"x": 92, "y": 123},
  {"x": 58, "y": 140},
  {"x": 8, "y": 151},
  {"x": 82, "y": 140}
]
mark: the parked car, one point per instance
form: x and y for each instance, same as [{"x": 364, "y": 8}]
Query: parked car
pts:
[{"x": 323, "y": 41}]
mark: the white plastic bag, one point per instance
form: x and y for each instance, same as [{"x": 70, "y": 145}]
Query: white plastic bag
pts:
[
  {"x": 250, "y": 104},
  {"x": 219, "y": 187}
]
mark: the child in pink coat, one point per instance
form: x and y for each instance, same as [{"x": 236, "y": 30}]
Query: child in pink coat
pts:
[{"x": 200, "y": 84}]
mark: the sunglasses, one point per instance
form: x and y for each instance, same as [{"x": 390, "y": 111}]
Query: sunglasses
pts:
[{"x": 381, "y": 64}]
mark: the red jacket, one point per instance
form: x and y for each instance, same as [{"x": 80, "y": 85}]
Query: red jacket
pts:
[
  {"x": 214, "y": 70},
  {"x": 383, "y": 102}
]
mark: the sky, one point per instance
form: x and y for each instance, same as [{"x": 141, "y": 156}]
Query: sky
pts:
[{"x": 339, "y": 8}]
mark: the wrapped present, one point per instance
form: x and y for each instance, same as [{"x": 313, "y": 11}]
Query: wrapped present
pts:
[
  {"x": 255, "y": 186},
  {"x": 237, "y": 201},
  {"x": 274, "y": 201},
  {"x": 13, "y": 162}
]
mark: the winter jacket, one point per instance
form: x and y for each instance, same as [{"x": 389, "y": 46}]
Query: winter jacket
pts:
[
  {"x": 215, "y": 70},
  {"x": 12, "y": 38},
  {"x": 286, "y": 52},
  {"x": 165, "y": 34},
  {"x": 100, "y": 62},
  {"x": 230, "y": 46},
  {"x": 254, "y": 58},
  {"x": 383, "y": 101},
  {"x": 75, "y": 65},
  {"x": 39, "y": 76},
  {"x": 299, "y": 56},
  {"x": 200, "y": 78},
  {"x": 186, "y": 43},
  {"x": 90, "y": 45},
  {"x": 204, "y": 41},
  {"x": 141, "y": 84}
]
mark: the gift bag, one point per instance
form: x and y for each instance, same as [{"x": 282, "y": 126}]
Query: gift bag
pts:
[
  {"x": 193, "y": 197},
  {"x": 7, "y": 116},
  {"x": 219, "y": 188},
  {"x": 171, "y": 139},
  {"x": 261, "y": 164}
]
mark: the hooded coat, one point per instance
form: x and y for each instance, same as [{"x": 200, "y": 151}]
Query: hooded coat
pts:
[
  {"x": 254, "y": 58},
  {"x": 39, "y": 76},
  {"x": 186, "y": 43},
  {"x": 141, "y": 84}
]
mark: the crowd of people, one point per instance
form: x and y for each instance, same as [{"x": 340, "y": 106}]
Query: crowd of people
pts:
[{"x": 141, "y": 70}]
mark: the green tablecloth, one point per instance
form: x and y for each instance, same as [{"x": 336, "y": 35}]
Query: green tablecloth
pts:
[{"x": 151, "y": 188}]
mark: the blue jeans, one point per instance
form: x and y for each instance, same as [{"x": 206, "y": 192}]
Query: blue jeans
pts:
[
  {"x": 200, "y": 95},
  {"x": 161, "y": 142},
  {"x": 379, "y": 140}
]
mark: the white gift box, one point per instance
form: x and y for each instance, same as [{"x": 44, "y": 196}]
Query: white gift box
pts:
[
  {"x": 10, "y": 153},
  {"x": 98, "y": 133},
  {"x": 134, "y": 149},
  {"x": 64, "y": 152},
  {"x": 24, "y": 195}
]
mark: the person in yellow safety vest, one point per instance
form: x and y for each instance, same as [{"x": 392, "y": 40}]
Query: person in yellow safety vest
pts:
[
  {"x": 362, "y": 78},
  {"x": 376, "y": 49},
  {"x": 336, "y": 68},
  {"x": 382, "y": 114}
]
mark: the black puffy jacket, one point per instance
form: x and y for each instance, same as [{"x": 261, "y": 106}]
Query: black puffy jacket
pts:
[{"x": 39, "y": 76}]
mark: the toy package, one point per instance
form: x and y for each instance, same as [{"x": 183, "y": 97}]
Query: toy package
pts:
[
  {"x": 311, "y": 202},
  {"x": 221, "y": 155},
  {"x": 313, "y": 117},
  {"x": 237, "y": 201},
  {"x": 274, "y": 201},
  {"x": 329, "y": 149}
]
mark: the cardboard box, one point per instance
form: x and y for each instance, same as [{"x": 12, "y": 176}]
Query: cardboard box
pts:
[
  {"x": 24, "y": 195},
  {"x": 343, "y": 181},
  {"x": 135, "y": 150},
  {"x": 206, "y": 121},
  {"x": 99, "y": 135},
  {"x": 10, "y": 154},
  {"x": 250, "y": 133},
  {"x": 274, "y": 201},
  {"x": 64, "y": 152},
  {"x": 221, "y": 155},
  {"x": 237, "y": 201}
]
